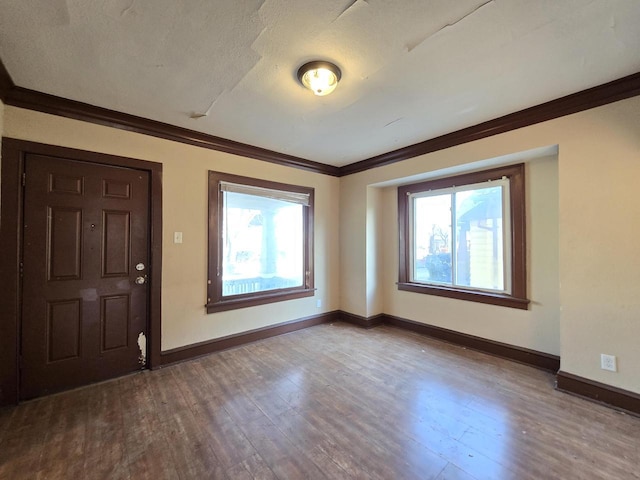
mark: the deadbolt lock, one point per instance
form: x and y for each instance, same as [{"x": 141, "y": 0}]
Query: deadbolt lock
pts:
[{"x": 140, "y": 267}]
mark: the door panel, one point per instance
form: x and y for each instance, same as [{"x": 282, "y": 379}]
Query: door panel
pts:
[
  {"x": 114, "y": 318},
  {"x": 85, "y": 227},
  {"x": 64, "y": 243},
  {"x": 115, "y": 243},
  {"x": 63, "y": 330}
]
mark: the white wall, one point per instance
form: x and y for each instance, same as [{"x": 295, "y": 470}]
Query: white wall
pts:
[
  {"x": 598, "y": 226},
  {"x": 184, "y": 266}
]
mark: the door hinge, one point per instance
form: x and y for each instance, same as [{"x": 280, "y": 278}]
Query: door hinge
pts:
[
  {"x": 24, "y": 179},
  {"x": 21, "y": 269}
]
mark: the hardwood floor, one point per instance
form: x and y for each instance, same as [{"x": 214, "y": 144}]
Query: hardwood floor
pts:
[{"x": 328, "y": 402}]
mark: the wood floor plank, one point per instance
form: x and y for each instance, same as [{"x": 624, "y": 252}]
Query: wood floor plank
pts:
[
  {"x": 223, "y": 435},
  {"x": 255, "y": 467},
  {"x": 145, "y": 442},
  {"x": 239, "y": 472},
  {"x": 188, "y": 447},
  {"x": 328, "y": 402},
  {"x": 380, "y": 456},
  {"x": 282, "y": 456},
  {"x": 451, "y": 472},
  {"x": 5, "y": 420},
  {"x": 166, "y": 395},
  {"x": 65, "y": 437},
  {"x": 105, "y": 453},
  {"x": 23, "y": 442},
  {"x": 193, "y": 384},
  {"x": 322, "y": 445}
]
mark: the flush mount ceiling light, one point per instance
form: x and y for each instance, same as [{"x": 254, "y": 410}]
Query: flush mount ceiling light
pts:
[{"x": 320, "y": 77}]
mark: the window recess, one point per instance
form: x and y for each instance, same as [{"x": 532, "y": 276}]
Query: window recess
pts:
[
  {"x": 464, "y": 237},
  {"x": 260, "y": 242}
]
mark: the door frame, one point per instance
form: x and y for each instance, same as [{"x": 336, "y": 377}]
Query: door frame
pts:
[{"x": 14, "y": 153}]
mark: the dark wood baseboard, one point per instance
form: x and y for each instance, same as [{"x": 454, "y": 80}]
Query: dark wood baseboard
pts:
[
  {"x": 599, "y": 392},
  {"x": 360, "y": 321},
  {"x": 195, "y": 350},
  {"x": 533, "y": 358}
]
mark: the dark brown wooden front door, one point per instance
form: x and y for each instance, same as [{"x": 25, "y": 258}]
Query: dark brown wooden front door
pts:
[{"x": 86, "y": 237}]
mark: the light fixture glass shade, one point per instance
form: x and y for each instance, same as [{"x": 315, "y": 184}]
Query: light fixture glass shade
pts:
[{"x": 320, "y": 77}]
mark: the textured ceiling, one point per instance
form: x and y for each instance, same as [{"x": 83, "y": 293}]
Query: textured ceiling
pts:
[{"x": 412, "y": 69}]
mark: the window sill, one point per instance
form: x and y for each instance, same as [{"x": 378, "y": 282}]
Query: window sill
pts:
[
  {"x": 251, "y": 300},
  {"x": 469, "y": 295}
]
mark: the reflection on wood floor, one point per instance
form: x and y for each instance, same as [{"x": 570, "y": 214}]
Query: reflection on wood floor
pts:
[{"x": 332, "y": 401}]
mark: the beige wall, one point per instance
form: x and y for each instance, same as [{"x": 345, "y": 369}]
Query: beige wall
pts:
[
  {"x": 537, "y": 328},
  {"x": 375, "y": 224},
  {"x": 184, "y": 320},
  {"x": 598, "y": 227}
]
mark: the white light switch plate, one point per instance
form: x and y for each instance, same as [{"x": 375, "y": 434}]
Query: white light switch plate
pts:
[{"x": 177, "y": 237}]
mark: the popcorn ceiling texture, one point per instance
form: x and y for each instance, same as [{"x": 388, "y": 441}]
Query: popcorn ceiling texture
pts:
[{"x": 412, "y": 69}]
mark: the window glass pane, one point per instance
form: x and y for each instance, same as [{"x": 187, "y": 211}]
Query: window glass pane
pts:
[
  {"x": 479, "y": 238},
  {"x": 262, "y": 244},
  {"x": 432, "y": 239},
  {"x": 464, "y": 237}
]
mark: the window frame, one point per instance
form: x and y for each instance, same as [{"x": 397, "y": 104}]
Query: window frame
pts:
[
  {"x": 518, "y": 278},
  {"x": 216, "y": 302}
]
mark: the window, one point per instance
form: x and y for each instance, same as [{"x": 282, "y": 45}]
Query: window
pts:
[
  {"x": 464, "y": 237},
  {"x": 260, "y": 242}
]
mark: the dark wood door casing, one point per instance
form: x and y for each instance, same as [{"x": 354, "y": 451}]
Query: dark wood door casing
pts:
[
  {"x": 14, "y": 156},
  {"x": 85, "y": 229}
]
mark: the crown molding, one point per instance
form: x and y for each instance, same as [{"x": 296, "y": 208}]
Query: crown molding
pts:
[
  {"x": 604, "y": 94},
  {"x": 610, "y": 92},
  {"x": 42, "y": 102},
  {"x": 6, "y": 82}
]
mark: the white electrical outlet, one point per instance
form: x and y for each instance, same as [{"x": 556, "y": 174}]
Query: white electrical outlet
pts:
[
  {"x": 608, "y": 362},
  {"x": 319, "y": 303}
]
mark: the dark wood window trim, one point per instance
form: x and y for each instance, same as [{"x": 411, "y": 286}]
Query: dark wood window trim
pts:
[
  {"x": 215, "y": 300},
  {"x": 518, "y": 296}
]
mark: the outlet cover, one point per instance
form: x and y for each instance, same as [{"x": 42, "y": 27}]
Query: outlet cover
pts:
[{"x": 608, "y": 362}]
